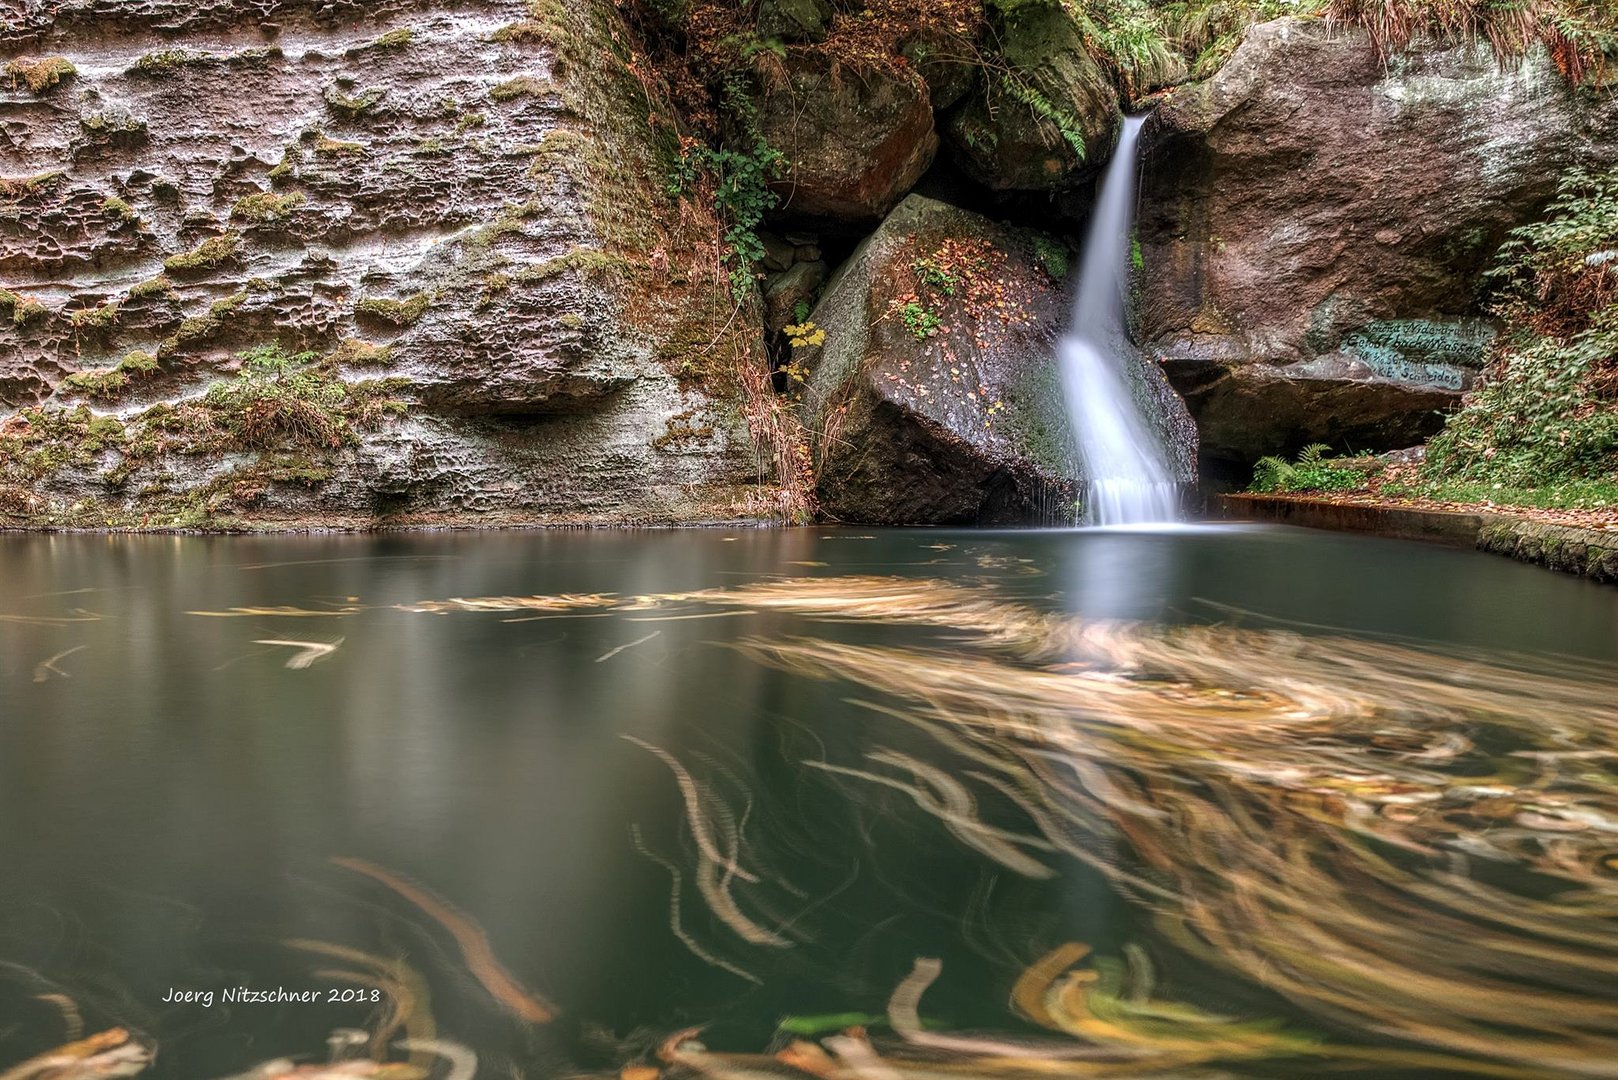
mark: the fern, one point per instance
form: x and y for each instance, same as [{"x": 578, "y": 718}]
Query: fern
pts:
[
  {"x": 1312, "y": 455},
  {"x": 1271, "y": 474},
  {"x": 1312, "y": 470}
]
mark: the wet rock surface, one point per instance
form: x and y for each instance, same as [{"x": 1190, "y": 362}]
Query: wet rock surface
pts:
[
  {"x": 1315, "y": 226},
  {"x": 417, "y": 194}
]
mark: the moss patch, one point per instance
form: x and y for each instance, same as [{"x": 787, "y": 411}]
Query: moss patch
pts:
[
  {"x": 167, "y": 62},
  {"x": 40, "y": 75},
  {"x": 37, "y": 443},
  {"x": 522, "y": 86},
  {"x": 357, "y": 353},
  {"x": 203, "y": 327},
  {"x": 328, "y": 146},
  {"x": 395, "y": 312},
  {"x": 393, "y": 39},
  {"x": 151, "y": 287},
  {"x": 23, "y": 187},
  {"x": 101, "y": 317},
  {"x": 586, "y": 262},
  {"x": 206, "y": 256},
  {"x": 113, "y": 381},
  {"x": 119, "y": 209},
  {"x": 266, "y": 207},
  {"x": 526, "y": 31},
  {"x": 21, "y": 309},
  {"x": 284, "y": 400}
]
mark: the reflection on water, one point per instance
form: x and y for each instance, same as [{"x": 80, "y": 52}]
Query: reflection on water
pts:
[{"x": 804, "y": 803}]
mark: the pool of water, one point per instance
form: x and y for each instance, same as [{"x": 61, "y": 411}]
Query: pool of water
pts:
[{"x": 554, "y": 797}]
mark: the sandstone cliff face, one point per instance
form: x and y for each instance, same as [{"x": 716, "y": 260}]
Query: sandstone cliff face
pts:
[
  {"x": 451, "y": 206},
  {"x": 1315, "y": 226}
]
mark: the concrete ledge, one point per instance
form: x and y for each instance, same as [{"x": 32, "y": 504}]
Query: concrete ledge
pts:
[
  {"x": 1590, "y": 553},
  {"x": 1450, "y": 527}
]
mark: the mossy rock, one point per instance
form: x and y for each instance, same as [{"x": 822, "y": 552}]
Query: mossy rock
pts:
[
  {"x": 1046, "y": 115},
  {"x": 794, "y": 20},
  {"x": 934, "y": 398}
]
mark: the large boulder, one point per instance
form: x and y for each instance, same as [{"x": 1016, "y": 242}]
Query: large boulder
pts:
[
  {"x": 1046, "y": 114},
  {"x": 935, "y": 398},
  {"x": 854, "y": 140},
  {"x": 1315, "y": 225},
  {"x": 794, "y": 20},
  {"x": 460, "y": 216}
]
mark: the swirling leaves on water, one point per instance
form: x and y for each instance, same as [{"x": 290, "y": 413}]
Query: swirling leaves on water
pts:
[
  {"x": 1412, "y": 845},
  {"x": 282, "y": 611},
  {"x": 111, "y": 1053}
]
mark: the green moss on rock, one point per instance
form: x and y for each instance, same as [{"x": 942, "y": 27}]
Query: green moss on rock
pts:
[
  {"x": 151, "y": 287},
  {"x": 357, "y": 353},
  {"x": 101, "y": 317},
  {"x": 586, "y": 262},
  {"x": 394, "y": 39},
  {"x": 166, "y": 62},
  {"x": 21, "y": 309},
  {"x": 395, "y": 312},
  {"x": 211, "y": 253},
  {"x": 266, "y": 207},
  {"x": 203, "y": 327},
  {"x": 522, "y": 86},
  {"x": 42, "y": 74},
  {"x": 119, "y": 209}
]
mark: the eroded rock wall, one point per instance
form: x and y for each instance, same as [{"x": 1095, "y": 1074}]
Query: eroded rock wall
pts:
[{"x": 453, "y": 206}]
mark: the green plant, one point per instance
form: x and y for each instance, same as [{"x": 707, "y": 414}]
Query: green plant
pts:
[
  {"x": 737, "y": 177},
  {"x": 1312, "y": 470},
  {"x": 933, "y": 274},
  {"x": 1546, "y": 408},
  {"x": 919, "y": 320},
  {"x": 805, "y": 335},
  {"x": 1066, "y": 125},
  {"x": 1053, "y": 256}
]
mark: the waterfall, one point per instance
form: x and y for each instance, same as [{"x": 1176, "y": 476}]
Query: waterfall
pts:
[{"x": 1128, "y": 477}]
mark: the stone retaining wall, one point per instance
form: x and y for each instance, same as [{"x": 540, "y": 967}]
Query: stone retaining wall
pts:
[{"x": 1590, "y": 553}]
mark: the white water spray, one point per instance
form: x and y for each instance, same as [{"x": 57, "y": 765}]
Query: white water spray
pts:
[{"x": 1127, "y": 472}]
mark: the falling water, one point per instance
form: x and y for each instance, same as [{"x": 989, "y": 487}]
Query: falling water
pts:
[{"x": 1129, "y": 480}]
